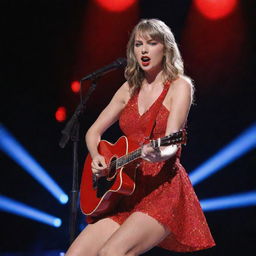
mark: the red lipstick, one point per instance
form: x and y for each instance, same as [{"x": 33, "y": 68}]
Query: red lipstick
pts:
[{"x": 145, "y": 60}]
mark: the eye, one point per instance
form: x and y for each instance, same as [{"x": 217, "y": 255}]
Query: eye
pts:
[
  {"x": 138, "y": 44},
  {"x": 153, "y": 43}
]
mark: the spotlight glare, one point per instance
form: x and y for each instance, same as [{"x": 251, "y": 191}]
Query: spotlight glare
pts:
[
  {"x": 61, "y": 114},
  {"x": 63, "y": 198},
  {"x": 227, "y": 202},
  {"x": 115, "y": 5},
  {"x": 238, "y": 147},
  {"x": 14, "y": 207},
  {"x": 75, "y": 86},
  {"x": 14, "y": 150},
  {"x": 57, "y": 222},
  {"x": 213, "y": 9}
]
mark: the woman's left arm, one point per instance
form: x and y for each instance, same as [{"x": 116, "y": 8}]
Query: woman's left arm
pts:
[{"x": 179, "y": 102}]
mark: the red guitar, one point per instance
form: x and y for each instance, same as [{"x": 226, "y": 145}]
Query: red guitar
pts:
[{"x": 99, "y": 195}]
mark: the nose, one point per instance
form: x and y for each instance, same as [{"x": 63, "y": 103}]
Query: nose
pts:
[{"x": 144, "y": 49}]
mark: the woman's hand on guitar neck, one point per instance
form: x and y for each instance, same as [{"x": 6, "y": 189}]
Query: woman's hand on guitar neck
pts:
[
  {"x": 99, "y": 166},
  {"x": 158, "y": 154}
]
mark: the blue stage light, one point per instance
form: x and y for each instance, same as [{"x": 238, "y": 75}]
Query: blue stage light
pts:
[
  {"x": 12, "y": 206},
  {"x": 63, "y": 198},
  {"x": 13, "y": 149},
  {"x": 241, "y": 145},
  {"x": 57, "y": 222},
  {"x": 232, "y": 201}
]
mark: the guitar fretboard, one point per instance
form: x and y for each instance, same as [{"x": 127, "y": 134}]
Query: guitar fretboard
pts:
[
  {"x": 175, "y": 138},
  {"x": 126, "y": 159}
]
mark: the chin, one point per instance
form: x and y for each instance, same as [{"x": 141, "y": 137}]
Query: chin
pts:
[
  {"x": 146, "y": 68},
  {"x": 150, "y": 69}
]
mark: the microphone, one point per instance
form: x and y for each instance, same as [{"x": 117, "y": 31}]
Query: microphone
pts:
[{"x": 100, "y": 72}]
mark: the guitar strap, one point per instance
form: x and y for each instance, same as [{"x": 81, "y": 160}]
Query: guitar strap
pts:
[{"x": 157, "y": 107}]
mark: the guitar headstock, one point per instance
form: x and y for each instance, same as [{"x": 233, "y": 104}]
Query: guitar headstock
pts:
[{"x": 176, "y": 138}]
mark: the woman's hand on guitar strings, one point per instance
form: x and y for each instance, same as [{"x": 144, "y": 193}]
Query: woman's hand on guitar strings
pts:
[
  {"x": 99, "y": 166},
  {"x": 158, "y": 154},
  {"x": 151, "y": 154}
]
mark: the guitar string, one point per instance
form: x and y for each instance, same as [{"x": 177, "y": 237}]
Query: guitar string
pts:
[{"x": 117, "y": 163}]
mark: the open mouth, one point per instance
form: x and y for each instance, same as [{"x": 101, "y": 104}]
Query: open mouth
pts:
[{"x": 145, "y": 60}]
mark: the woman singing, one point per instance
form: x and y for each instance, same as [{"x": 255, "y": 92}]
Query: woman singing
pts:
[{"x": 164, "y": 209}]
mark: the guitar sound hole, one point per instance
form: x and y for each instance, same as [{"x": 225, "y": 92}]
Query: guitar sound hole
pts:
[{"x": 105, "y": 183}]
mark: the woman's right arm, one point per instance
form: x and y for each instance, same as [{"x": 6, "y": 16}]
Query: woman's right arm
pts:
[{"x": 107, "y": 117}]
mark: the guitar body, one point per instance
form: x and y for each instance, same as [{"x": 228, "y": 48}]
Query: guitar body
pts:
[{"x": 98, "y": 197}]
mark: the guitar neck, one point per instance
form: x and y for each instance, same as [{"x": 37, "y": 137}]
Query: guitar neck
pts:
[
  {"x": 126, "y": 159},
  {"x": 175, "y": 138}
]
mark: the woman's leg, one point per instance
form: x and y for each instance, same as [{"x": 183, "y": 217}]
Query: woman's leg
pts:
[
  {"x": 136, "y": 235},
  {"x": 92, "y": 238}
]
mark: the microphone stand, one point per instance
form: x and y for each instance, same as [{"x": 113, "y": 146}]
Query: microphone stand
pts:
[{"x": 71, "y": 131}]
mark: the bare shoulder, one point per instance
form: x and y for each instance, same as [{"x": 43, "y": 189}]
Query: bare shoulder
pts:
[
  {"x": 123, "y": 93},
  {"x": 125, "y": 88},
  {"x": 183, "y": 83},
  {"x": 181, "y": 89}
]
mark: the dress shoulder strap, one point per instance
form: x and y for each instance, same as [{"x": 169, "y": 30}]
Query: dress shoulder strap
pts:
[{"x": 156, "y": 110}]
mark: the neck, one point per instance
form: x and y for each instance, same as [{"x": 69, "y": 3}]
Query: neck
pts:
[{"x": 154, "y": 76}]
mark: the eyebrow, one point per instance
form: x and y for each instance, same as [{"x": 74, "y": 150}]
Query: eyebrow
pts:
[{"x": 137, "y": 40}]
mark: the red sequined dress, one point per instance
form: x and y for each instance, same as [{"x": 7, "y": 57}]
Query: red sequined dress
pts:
[{"x": 163, "y": 189}]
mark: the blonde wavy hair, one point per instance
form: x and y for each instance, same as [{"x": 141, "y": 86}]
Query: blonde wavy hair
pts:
[{"x": 172, "y": 61}]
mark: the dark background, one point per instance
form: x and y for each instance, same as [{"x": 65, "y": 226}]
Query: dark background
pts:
[{"x": 39, "y": 54}]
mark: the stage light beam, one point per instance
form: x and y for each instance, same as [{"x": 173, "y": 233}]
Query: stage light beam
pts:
[
  {"x": 241, "y": 145},
  {"x": 14, "y": 150},
  {"x": 17, "y": 208},
  {"x": 227, "y": 202}
]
